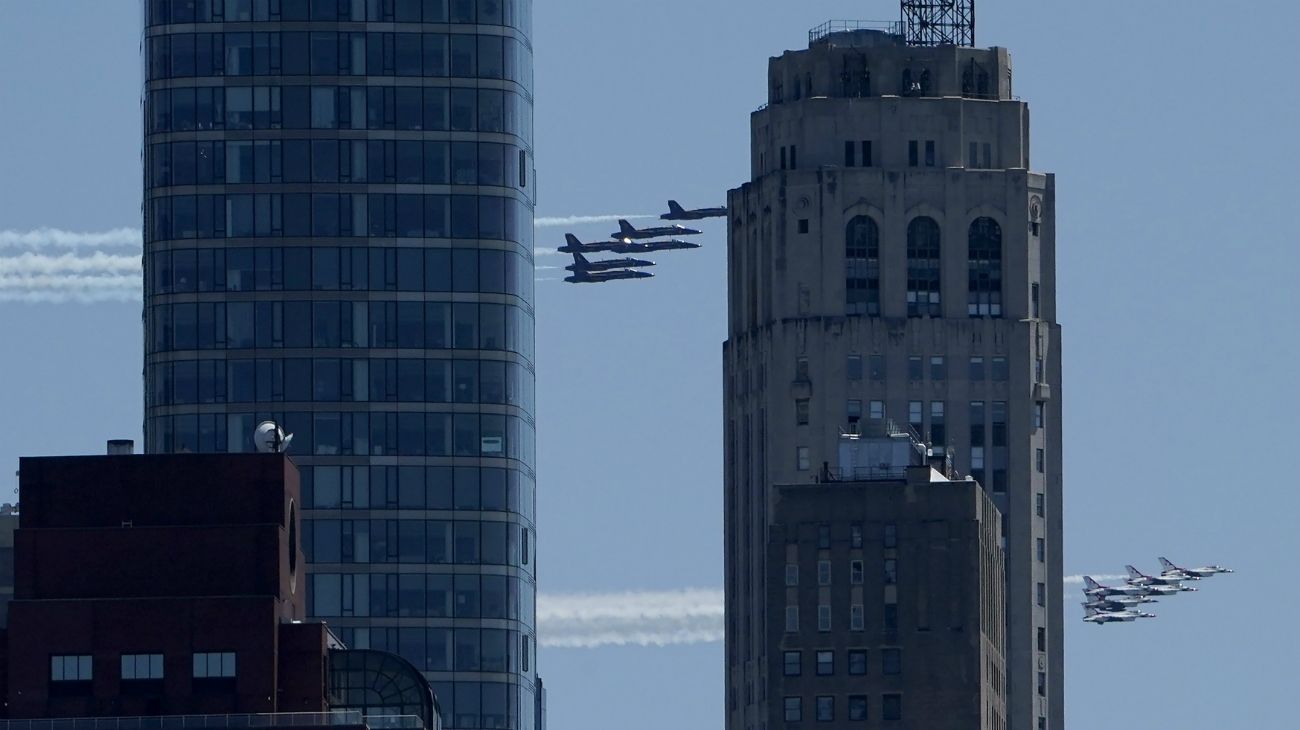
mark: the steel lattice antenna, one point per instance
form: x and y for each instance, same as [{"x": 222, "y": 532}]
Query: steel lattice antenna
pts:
[{"x": 939, "y": 22}]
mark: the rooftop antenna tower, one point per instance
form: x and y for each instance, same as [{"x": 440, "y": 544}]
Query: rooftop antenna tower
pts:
[{"x": 939, "y": 22}]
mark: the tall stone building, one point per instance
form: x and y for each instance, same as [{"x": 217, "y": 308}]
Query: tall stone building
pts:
[
  {"x": 338, "y": 209},
  {"x": 893, "y": 257}
]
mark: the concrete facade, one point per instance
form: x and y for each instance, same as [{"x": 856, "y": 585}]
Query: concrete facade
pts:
[
  {"x": 893, "y": 256},
  {"x": 918, "y": 553}
]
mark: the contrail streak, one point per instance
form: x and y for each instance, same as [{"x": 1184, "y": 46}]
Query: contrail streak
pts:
[
  {"x": 646, "y": 618},
  {"x": 573, "y": 220},
  {"x": 62, "y": 296},
  {"x": 37, "y": 263},
  {"x": 1078, "y": 579},
  {"x": 542, "y": 251},
  {"x": 70, "y": 281},
  {"x": 59, "y": 238}
]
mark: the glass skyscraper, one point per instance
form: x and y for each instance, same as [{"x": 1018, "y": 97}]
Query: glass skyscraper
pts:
[{"x": 338, "y": 217}]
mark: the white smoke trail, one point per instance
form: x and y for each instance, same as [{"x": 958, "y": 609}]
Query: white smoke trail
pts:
[
  {"x": 28, "y": 263},
  {"x": 59, "y": 238},
  {"x": 541, "y": 251},
  {"x": 63, "y": 296},
  {"x": 69, "y": 281},
  {"x": 1078, "y": 579},
  {"x": 573, "y": 220},
  {"x": 645, "y": 618}
]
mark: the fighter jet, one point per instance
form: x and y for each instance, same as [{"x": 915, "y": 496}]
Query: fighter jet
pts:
[
  {"x": 1138, "y": 578},
  {"x": 1169, "y": 570},
  {"x": 1093, "y": 616},
  {"x": 1094, "y": 589},
  {"x": 1117, "y": 603},
  {"x": 581, "y": 276},
  {"x": 627, "y": 232},
  {"x": 580, "y": 263},
  {"x": 573, "y": 245},
  {"x": 677, "y": 213}
]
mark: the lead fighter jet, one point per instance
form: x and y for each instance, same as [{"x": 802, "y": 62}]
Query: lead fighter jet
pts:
[
  {"x": 573, "y": 245},
  {"x": 1138, "y": 578},
  {"x": 1093, "y": 589},
  {"x": 677, "y": 213},
  {"x": 627, "y": 232},
  {"x": 581, "y": 264},
  {"x": 1169, "y": 570}
]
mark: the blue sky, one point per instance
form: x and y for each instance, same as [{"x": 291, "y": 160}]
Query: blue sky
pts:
[{"x": 1170, "y": 127}]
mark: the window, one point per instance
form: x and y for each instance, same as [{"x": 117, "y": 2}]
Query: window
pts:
[
  {"x": 972, "y": 157},
  {"x": 914, "y": 371},
  {"x": 1042, "y": 638},
  {"x": 891, "y": 617},
  {"x": 914, "y": 417},
  {"x": 825, "y": 708},
  {"x": 783, "y": 156},
  {"x": 1041, "y": 549},
  {"x": 857, "y": 618},
  {"x": 794, "y": 157},
  {"x": 862, "y": 267},
  {"x": 823, "y": 536},
  {"x": 793, "y": 662},
  {"x": 938, "y": 429},
  {"x": 1041, "y": 594},
  {"x": 867, "y": 159},
  {"x": 1040, "y": 505},
  {"x": 876, "y": 409},
  {"x": 857, "y": 662},
  {"x": 802, "y": 458},
  {"x": 1042, "y": 684},
  {"x": 853, "y": 411},
  {"x": 791, "y": 574},
  {"x": 791, "y": 619},
  {"x": 855, "y": 535},
  {"x": 976, "y": 371},
  {"x": 823, "y": 572},
  {"x": 142, "y": 666},
  {"x": 793, "y": 709},
  {"x": 891, "y": 571},
  {"x": 855, "y": 572},
  {"x": 823, "y": 618},
  {"x": 1001, "y": 373},
  {"x": 929, "y": 153},
  {"x": 891, "y": 707},
  {"x": 850, "y": 154},
  {"x": 1042, "y": 723},
  {"x": 71, "y": 668},
  {"x": 913, "y": 153},
  {"x": 891, "y": 661},
  {"x": 825, "y": 663},
  {"x": 801, "y": 411},
  {"x": 801, "y": 369},
  {"x": 214, "y": 665},
  {"x": 923, "y": 261},
  {"x": 803, "y": 225},
  {"x": 1039, "y": 414},
  {"x": 1033, "y": 300},
  {"x": 938, "y": 371},
  {"x": 984, "y": 269},
  {"x": 857, "y": 707},
  {"x": 854, "y": 367},
  {"x": 1039, "y": 460},
  {"x": 877, "y": 367}
]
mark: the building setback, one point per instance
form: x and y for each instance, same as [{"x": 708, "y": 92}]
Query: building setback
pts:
[
  {"x": 338, "y": 214},
  {"x": 893, "y": 257},
  {"x": 900, "y": 535}
]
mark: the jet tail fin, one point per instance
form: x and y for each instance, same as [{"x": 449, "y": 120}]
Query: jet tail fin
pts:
[
  {"x": 625, "y": 227},
  {"x": 1164, "y": 563},
  {"x": 572, "y": 240},
  {"x": 579, "y": 259},
  {"x": 1090, "y": 611},
  {"x": 1092, "y": 584},
  {"x": 675, "y": 208},
  {"x": 1133, "y": 572}
]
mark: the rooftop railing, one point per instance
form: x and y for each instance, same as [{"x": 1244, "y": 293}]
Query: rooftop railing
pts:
[
  {"x": 892, "y": 27},
  {"x": 194, "y": 722}
]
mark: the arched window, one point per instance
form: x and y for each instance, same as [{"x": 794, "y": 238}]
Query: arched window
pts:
[
  {"x": 984, "y": 264},
  {"x": 862, "y": 267},
  {"x": 923, "y": 239}
]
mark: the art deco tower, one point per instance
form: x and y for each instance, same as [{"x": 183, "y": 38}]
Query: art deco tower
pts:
[
  {"x": 338, "y": 236},
  {"x": 893, "y": 258}
]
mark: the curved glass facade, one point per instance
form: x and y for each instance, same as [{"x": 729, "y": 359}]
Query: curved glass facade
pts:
[{"x": 338, "y": 236}]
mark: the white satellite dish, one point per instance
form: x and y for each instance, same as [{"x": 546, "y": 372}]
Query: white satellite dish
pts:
[{"x": 269, "y": 438}]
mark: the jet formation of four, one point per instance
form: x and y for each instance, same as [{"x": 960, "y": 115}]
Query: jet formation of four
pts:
[
  {"x": 1111, "y": 604},
  {"x": 629, "y": 239}
]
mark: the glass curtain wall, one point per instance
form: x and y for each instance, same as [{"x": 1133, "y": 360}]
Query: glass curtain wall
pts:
[{"x": 338, "y": 228}]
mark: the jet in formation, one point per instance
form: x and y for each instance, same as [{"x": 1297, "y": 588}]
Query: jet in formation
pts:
[
  {"x": 627, "y": 232},
  {"x": 1099, "y": 617},
  {"x": 677, "y": 213},
  {"x": 599, "y": 272},
  {"x": 573, "y": 245},
  {"x": 1109, "y": 604}
]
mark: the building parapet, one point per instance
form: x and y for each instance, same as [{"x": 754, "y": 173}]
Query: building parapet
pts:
[{"x": 338, "y": 718}]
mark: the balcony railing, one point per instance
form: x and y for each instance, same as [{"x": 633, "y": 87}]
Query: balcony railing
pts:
[
  {"x": 194, "y": 722},
  {"x": 892, "y": 27}
]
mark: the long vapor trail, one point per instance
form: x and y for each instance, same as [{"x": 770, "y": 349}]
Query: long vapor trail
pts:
[
  {"x": 645, "y": 618},
  {"x": 573, "y": 220},
  {"x": 28, "y": 263},
  {"x": 59, "y": 238}
]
